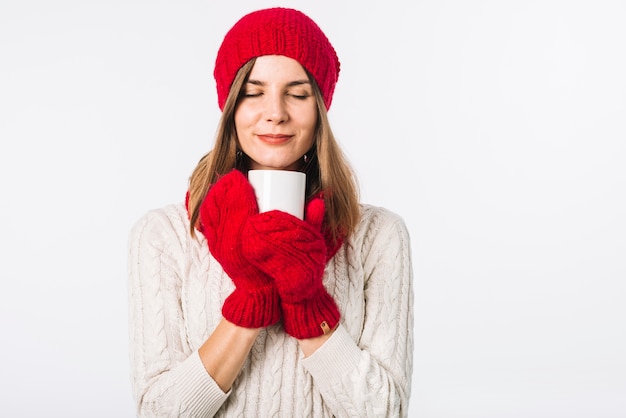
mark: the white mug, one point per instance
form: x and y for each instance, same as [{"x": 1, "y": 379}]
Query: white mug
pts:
[{"x": 279, "y": 189}]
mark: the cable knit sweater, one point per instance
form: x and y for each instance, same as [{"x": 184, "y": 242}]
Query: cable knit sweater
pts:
[{"x": 176, "y": 292}]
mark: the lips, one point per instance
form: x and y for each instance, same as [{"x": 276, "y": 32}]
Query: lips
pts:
[{"x": 274, "y": 138}]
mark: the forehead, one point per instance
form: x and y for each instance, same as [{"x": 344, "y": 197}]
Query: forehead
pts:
[{"x": 277, "y": 68}]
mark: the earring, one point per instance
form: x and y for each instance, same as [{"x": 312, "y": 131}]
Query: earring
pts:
[{"x": 306, "y": 158}]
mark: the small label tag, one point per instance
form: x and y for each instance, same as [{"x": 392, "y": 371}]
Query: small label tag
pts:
[{"x": 325, "y": 327}]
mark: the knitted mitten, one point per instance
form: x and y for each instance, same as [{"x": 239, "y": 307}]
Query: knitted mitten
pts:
[
  {"x": 223, "y": 214},
  {"x": 294, "y": 253}
]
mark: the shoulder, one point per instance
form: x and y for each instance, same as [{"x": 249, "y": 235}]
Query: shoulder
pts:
[
  {"x": 378, "y": 219},
  {"x": 162, "y": 224},
  {"x": 381, "y": 229},
  {"x": 369, "y": 212}
]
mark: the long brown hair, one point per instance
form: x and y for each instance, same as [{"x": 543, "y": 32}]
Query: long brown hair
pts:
[{"x": 326, "y": 166}]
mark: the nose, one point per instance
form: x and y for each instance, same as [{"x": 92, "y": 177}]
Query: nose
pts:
[{"x": 275, "y": 109}]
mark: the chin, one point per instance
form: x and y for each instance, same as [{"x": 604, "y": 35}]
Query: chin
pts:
[{"x": 274, "y": 166}]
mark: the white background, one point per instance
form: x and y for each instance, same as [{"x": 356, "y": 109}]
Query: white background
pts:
[{"x": 495, "y": 128}]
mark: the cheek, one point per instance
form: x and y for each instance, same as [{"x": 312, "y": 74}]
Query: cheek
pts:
[
  {"x": 309, "y": 120},
  {"x": 243, "y": 117},
  {"x": 239, "y": 120}
]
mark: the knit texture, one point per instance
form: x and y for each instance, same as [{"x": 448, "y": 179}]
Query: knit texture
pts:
[
  {"x": 224, "y": 213},
  {"x": 176, "y": 292},
  {"x": 294, "y": 252},
  {"x": 277, "y": 31}
]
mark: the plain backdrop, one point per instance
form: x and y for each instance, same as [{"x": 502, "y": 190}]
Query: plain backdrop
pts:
[{"x": 497, "y": 129}]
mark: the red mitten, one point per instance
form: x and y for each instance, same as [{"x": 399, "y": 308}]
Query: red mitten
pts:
[
  {"x": 223, "y": 214},
  {"x": 294, "y": 253}
]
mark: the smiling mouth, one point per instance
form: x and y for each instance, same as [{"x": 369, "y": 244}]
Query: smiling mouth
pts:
[{"x": 274, "y": 138}]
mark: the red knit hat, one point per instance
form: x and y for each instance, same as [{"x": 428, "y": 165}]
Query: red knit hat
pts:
[{"x": 277, "y": 31}]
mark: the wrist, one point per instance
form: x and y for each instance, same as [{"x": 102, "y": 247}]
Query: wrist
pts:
[
  {"x": 310, "y": 345},
  {"x": 310, "y": 318},
  {"x": 257, "y": 309}
]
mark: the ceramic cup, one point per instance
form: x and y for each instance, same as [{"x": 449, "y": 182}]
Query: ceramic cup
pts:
[{"x": 280, "y": 190}]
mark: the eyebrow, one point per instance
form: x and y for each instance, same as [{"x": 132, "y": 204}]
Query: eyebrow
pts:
[{"x": 290, "y": 84}]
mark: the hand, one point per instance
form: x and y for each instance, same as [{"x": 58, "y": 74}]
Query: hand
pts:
[
  {"x": 228, "y": 205},
  {"x": 294, "y": 253}
]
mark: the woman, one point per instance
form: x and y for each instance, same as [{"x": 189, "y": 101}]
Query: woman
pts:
[{"x": 239, "y": 313}]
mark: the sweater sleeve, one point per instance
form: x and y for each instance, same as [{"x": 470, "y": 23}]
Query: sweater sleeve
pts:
[
  {"x": 168, "y": 379},
  {"x": 372, "y": 377}
]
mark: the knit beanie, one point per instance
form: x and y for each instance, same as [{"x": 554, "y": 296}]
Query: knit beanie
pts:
[{"x": 277, "y": 31}]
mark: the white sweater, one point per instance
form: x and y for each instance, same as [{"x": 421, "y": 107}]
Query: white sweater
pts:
[{"x": 176, "y": 292}]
